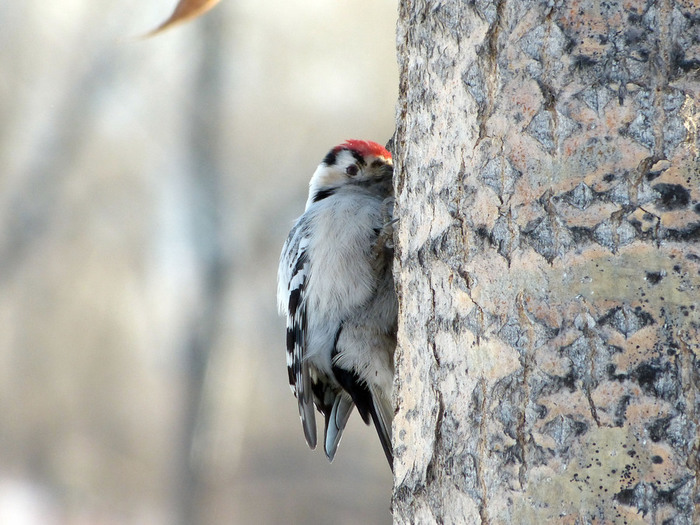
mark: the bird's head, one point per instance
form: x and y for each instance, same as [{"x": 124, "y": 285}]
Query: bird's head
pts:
[{"x": 360, "y": 162}]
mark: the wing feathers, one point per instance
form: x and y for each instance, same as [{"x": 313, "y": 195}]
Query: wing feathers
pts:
[{"x": 292, "y": 284}]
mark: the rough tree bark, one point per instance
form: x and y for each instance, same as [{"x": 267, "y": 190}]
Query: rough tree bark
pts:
[{"x": 548, "y": 263}]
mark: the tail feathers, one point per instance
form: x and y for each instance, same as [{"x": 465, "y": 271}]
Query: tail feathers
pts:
[
  {"x": 382, "y": 414},
  {"x": 370, "y": 404},
  {"x": 335, "y": 423},
  {"x": 307, "y": 412}
]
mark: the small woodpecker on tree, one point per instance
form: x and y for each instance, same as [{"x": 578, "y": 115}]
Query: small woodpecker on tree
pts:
[{"x": 336, "y": 289}]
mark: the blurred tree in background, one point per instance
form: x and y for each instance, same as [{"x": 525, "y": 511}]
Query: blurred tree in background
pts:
[{"x": 145, "y": 192}]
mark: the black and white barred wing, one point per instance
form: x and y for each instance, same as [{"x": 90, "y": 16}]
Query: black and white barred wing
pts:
[{"x": 291, "y": 287}]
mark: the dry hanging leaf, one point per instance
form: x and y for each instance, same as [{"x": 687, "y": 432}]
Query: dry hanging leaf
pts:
[{"x": 185, "y": 10}]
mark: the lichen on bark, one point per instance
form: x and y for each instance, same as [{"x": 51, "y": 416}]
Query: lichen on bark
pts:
[{"x": 548, "y": 265}]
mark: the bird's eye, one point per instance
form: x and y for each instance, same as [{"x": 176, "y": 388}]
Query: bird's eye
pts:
[{"x": 351, "y": 170}]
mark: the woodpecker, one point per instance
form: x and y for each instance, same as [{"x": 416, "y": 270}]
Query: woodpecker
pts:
[{"x": 336, "y": 290}]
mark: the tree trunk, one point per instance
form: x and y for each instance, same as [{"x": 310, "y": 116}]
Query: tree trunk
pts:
[
  {"x": 207, "y": 185},
  {"x": 548, "y": 263}
]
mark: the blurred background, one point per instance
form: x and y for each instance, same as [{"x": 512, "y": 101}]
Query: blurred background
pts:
[{"x": 146, "y": 188}]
